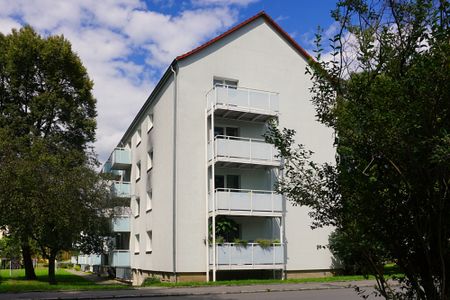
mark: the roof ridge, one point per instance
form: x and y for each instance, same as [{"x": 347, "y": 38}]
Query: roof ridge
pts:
[{"x": 262, "y": 14}]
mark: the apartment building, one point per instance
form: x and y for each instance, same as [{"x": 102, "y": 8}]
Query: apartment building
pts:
[{"x": 200, "y": 177}]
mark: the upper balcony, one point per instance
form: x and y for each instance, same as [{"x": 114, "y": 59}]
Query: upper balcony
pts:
[
  {"x": 230, "y": 151},
  {"x": 121, "y": 224},
  {"x": 121, "y": 189},
  {"x": 242, "y": 103},
  {"x": 246, "y": 202},
  {"x": 120, "y": 159}
]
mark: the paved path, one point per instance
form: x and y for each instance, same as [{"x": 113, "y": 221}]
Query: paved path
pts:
[
  {"x": 95, "y": 278},
  {"x": 192, "y": 292}
]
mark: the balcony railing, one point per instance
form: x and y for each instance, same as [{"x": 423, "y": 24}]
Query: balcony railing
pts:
[
  {"x": 121, "y": 189},
  {"x": 91, "y": 259},
  {"x": 120, "y": 258},
  {"x": 120, "y": 158},
  {"x": 246, "y": 150},
  {"x": 243, "y": 99},
  {"x": 121, "y": 224},
  {"x": 242, "y": 200},
  {"x": 251, "y": 256}
]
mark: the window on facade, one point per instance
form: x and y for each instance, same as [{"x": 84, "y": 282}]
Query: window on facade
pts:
[
  {"x": 137, "y": 206},
  {"x": 122, "y": 241},
  {"x": 136, "y": 243},
  {"x": 149, "y": 200},
  {"x": 138, "y": 137},
  {"x": 149, "y": 160},
  {"x": 138, "y": 170},
  {"x": 149, "y": 122},
  {"x": 148, "y": 243},
  {"x": 228, "y": 131},
  {"x": 229, "y": 83}
]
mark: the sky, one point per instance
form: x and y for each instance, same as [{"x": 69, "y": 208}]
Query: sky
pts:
[{"x": 126, "y": 45}]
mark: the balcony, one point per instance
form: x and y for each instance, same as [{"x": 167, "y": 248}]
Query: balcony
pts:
[
  {"x": 120, "y": 258},
  {"x": 120, "y": 159},
  {"x": 92, "y": 259},
  {"x": 242, "y": 103},
  {"x": 121, "y": 224},
  {"x": 230, "y": 151},
  {"x": 230, "y": 256},
  {"x": 246, "y": 202},
  {"x": 121, "y": 189}
]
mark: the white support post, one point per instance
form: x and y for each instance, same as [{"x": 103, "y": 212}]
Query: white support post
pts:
[
  {"x": 213, "y": 150},
  {"x": 206, "y": 189}
]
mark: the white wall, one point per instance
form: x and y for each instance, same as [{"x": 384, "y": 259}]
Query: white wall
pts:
[{"x": 259, "y": 59}]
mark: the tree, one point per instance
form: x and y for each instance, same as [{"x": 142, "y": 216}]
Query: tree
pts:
[
  {"x": 388, "y": 102},
  {"x": 50, "y": 191}
]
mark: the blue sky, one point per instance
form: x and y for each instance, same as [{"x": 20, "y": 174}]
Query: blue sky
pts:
[{"x": 127, "y": 44}]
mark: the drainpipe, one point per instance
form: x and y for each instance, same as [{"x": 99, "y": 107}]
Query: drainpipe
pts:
[{"x": 174, "y": 190}]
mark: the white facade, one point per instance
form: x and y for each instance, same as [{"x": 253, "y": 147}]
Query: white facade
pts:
[{"x": 191, "y": 134}]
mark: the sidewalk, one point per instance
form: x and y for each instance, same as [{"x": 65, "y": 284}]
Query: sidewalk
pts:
[{"x": 185, "y": 291}]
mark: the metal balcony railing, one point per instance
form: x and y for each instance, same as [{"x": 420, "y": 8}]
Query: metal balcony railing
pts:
[
  {"x": 243, "y": 99},
  {"x": 90, "y": 259},
  {"x": 251, "y": 256},
  {"x": 121, "y": 189},
  {"x": 121, "y": 224},
  {"x": 120, "y": 258},
  {"x": 120, "y": 158},
  {"x": 239, "y": 149},
  {"x": 244, "y": 200}
]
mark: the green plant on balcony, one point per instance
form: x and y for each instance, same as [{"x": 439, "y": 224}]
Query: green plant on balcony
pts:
[
  {"x": 240, "y": 243},
  {"x": 264, "y": 244},
  {"x": 226, "y": 228}
]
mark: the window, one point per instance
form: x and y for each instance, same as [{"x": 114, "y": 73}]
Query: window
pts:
[
  {"x": 136, "y": 243},
  {"x": 149, "y": 122},
  {"x": 122, "y": 241},
  {"x": 138, "y": 170},
  {"x": 149, "y": 160},
  {"x": 228, "y": 131},
  {"x": 229, "y": 83},
  {"x": 149, "y": 200},
  {"x": 148, "y": 243},
  {"x": 138, "y": 137},
  {"x": 137, "y": 206},
  {"x": 228, "y": 181}
]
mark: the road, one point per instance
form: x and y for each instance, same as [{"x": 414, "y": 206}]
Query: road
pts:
[{"x": 331, "y": 294}]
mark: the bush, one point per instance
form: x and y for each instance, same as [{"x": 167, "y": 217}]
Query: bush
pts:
[
  {"x": 151, "y": 280},
  {"x": 65, "y": 265},
  {"x": 77, "y": 267}
]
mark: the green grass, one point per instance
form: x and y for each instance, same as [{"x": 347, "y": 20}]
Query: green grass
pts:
[
  {"x": 153, "y": 282},
  {"x": 66, "y": 281}
]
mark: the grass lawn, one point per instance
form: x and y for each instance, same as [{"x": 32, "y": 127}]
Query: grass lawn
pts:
[
  {"x": 66, "y": 281},
  {"x": 255, "y": 281}
]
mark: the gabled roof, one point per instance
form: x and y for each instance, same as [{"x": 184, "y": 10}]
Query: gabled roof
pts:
[
  {"x": 261, "y": 14},
  {"x": 173, "y": 65}
]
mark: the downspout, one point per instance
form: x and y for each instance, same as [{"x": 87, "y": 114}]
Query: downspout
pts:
[{"x": 174, "y": 190}]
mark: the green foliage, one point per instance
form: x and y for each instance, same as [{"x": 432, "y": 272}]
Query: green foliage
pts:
[
  {"x": 240, "y": 243},
  {"x": 226, "y": 228},
  {"x": 265, "y": 244},
  {"x": 387, "y": 194},
  {"x": 50, "y": 191}
]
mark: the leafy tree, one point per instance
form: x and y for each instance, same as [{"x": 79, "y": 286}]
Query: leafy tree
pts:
[
  {"x": 50, "y": 192},
  {"x": 386, "y": 94}
]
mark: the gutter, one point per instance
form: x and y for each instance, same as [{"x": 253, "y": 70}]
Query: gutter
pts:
[{"x": 174, "y": 171}]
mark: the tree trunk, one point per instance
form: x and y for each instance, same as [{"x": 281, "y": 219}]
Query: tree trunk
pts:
[
  {"x": 51, "y": 268},
  {"x": 28, "y": 261}
]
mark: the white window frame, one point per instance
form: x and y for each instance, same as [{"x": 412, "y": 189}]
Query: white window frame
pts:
[
  {"x": 138, "y": 170},
  {"x": 138, "y": 137},
  {"x": 148, "y": 242},
  {"x": 149, "y": 200},
  {"x": 149, "y": 160},
  {"x": 149, "y": 121},
  {"x": 137, "y": 206},
  {"x": 137, "y": 244}
]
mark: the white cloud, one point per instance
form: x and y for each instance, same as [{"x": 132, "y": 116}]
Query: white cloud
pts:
[{"x": 123, "y": 44}]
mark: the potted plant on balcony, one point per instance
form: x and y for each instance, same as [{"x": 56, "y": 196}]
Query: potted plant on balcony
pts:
[
  {"x": 240, "y": 243},
  {"x": 264, "y": 244},
  {"x": 226, "y": 230}
]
